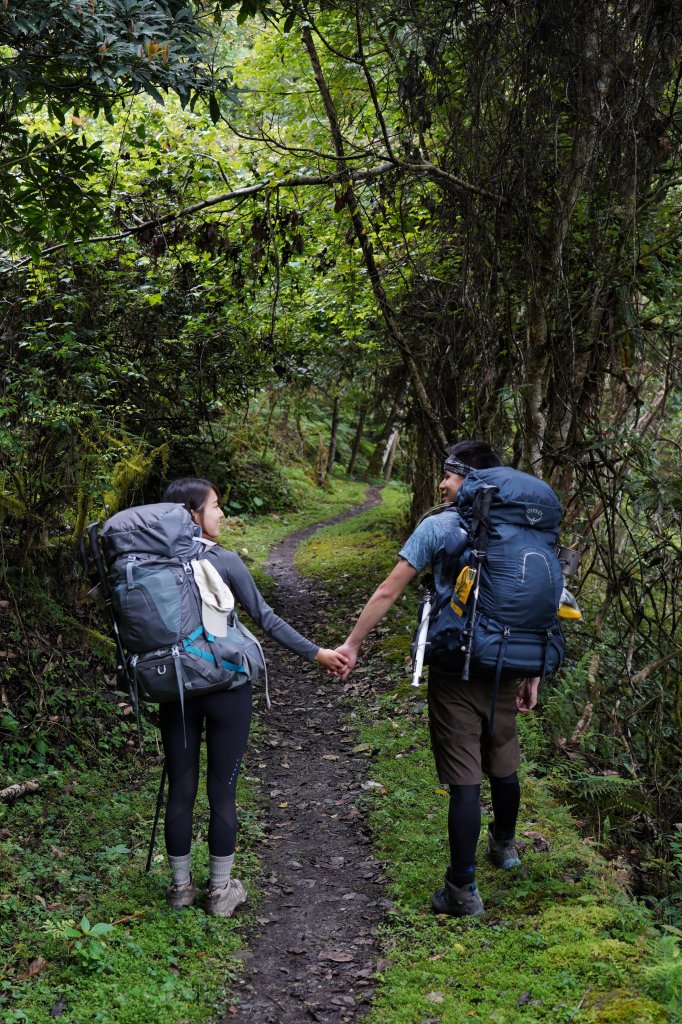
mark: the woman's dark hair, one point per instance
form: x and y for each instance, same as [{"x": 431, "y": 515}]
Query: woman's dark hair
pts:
[{"x": 190, "y": 491}]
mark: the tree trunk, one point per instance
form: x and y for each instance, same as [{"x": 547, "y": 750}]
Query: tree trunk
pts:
[
  {"x": 333, "y": 434},
  {"x": 394, "y": 417},
  {"x": 424, "y": 475},
  {"x": 321, "y": 474},
  {"x": 391, "y": 451},
  {"x": 359, "y": 430},
  {"x": 432, "y": 423}
]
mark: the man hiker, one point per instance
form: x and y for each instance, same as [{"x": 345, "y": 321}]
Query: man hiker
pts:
[{"x": 464, "y": 745}]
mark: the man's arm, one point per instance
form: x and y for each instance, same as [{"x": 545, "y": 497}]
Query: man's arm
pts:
[{"x": 383, "y": 598}]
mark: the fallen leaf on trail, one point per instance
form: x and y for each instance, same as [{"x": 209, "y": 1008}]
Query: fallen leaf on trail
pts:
[
  {"x": 441, "y": 792},
  {"x": 540, "y": 844},
  {"x": 372, "y": 785},
  {"x": 435, "y": 997},
  {"x": 362, "y": 748},
  {"x": 35, "y": 967},
  {"x": 330, "y": 757},
  {"x": 284, "y": 804},
  {"x": 437, "y": 956},
  {"x": 336, "y": 956}
]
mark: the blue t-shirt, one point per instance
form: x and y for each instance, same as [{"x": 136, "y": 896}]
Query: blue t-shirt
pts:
[{"x": 425, "y": 546}]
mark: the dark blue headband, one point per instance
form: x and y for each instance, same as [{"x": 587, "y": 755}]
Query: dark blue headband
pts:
[{"x": 453, "y": 465}]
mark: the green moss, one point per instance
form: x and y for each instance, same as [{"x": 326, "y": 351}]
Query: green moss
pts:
[
  {"x": 621, "y": 1008},
  {"x": 76, "y": 850},
  {"x": 560, "y": 941}
]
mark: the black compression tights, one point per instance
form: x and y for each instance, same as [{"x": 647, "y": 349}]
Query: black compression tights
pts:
[
  {"x": 505, "y": 794},
  {"x": 228, "y": 716},
  {"x": 464, "y": 821},
  {"x": 464, "y": 826}
]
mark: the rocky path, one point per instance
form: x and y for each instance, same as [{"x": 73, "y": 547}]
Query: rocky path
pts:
[{"x": 313, "y": 952}]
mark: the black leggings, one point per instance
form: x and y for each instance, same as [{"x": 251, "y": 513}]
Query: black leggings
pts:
[
  {"x": 464, "y": 821},
  {"x": 228, "y": 718}
]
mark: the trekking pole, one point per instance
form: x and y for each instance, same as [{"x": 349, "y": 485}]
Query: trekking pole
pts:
[
  {"x": 159, "y": 804},
  {"x": 480, "y": 529},
  {"x": 420, "y": 649}
]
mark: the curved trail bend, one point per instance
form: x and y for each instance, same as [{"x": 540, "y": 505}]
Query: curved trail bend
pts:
[{"x": 313, "y": 952}]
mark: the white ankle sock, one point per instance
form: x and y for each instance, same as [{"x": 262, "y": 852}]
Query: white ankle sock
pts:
[
  {"x": 220, "y": 870},
  {"x": 180, "y": 873}
]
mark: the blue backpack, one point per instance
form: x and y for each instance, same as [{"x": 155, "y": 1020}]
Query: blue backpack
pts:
[
  {"x": 156, "y": 608},
  {"x": 496, "y": 613}
]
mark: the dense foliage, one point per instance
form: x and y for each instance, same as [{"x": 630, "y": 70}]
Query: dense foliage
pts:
[{"x": 417, "y": 221}]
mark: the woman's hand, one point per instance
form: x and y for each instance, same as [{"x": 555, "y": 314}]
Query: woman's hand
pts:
[
  {"x": 350, "y": 653},
  {"x": 333, "y": 661}
]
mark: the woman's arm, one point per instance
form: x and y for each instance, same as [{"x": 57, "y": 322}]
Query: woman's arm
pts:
[{"x": 243, "y": 586}]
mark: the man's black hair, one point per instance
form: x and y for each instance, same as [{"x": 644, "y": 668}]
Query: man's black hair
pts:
[
  {"x": 475, "y": 454},
  {"x": 190, "y": 491}
]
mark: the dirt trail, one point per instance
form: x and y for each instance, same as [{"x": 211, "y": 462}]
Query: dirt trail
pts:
[{"x": 314, "y": 950}]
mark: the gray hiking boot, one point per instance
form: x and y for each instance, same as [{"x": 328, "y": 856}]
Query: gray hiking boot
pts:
[
  {"x": 457, "y": 900},
  {"x": 224, "y": 901},
  {"x": 502, "y": 852},
  {"x": 180, "y": 896}
]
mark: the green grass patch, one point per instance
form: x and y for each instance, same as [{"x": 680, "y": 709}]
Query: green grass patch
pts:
[
  {"x": 561, "y": 941},
  {"x": 86, "y": 935},
  {"x": 252, "y": 538},
  {"x": 84, "y": 931}
]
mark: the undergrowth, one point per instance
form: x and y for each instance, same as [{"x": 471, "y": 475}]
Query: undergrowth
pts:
[
  {"x": 85, "y": 933},
  {"x": 561, "y": 940}
]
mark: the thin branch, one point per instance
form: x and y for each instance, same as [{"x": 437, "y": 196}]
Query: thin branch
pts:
[
  {"x": 653, "y": 666},
  {"x": 295, "y": 181}
]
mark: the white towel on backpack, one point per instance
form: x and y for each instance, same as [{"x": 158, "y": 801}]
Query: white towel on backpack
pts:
[{"x": 217, "y": 600}]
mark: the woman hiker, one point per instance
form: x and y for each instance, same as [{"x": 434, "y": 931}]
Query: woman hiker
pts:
[{"x": 227, "y": 714}]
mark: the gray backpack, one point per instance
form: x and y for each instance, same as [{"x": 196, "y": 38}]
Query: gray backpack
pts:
[{"x": 158, "y": 609}]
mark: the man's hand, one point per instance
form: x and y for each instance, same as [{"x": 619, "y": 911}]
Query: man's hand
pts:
[
  {"x": 350, "y": 654},
  {"x": 527, "y": 694},
  {"x": 333, "y": 661}
]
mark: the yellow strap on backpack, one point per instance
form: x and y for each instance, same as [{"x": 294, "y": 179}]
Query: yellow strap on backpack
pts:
[{"x": 463, "y": 586}]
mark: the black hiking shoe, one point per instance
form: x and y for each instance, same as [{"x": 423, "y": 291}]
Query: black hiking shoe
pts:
[
  {"x": 181, "y": 896},
  {"x": 457, "y": 900},
  {"x": 503, "y": 853}
]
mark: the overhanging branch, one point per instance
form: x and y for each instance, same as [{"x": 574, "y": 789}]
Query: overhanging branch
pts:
[{"x": 294, "y": 181}]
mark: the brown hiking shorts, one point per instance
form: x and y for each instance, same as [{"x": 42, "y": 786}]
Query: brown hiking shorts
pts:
[{"x": 458, "y": 721}]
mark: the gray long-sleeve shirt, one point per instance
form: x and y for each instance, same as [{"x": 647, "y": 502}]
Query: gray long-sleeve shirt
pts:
[{"x": 243, "y": 586}]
